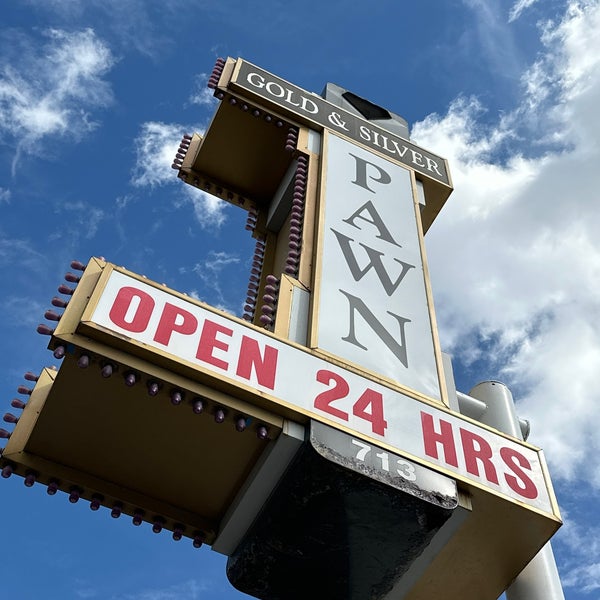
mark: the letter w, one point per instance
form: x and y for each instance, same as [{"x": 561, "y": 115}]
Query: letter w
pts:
[{"x": 374, "y": 263}]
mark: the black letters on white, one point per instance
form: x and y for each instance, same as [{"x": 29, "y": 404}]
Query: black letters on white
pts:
[
  {"x": 356, "y": 305},
  {"x": 376, "y": 220},
  {"x": 368, "y": 217},
  {"x": 374, "y": 263},
  {"x": 361, "y": 173}
]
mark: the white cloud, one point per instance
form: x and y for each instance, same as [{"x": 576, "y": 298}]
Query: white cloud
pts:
[
  {"x": 210, "y": 273},
  {"x": 85, "y": 590},
  {"x": 155, "y": 147},
  {"x": 515, "y": 259},
  {"x": 84, "y": 219},
  {"x": 208, "y": 210},
  {"x": 515, "y": 254},
  {"x": 23, "y": 311},
  {"x": 122, "y": 201},
  {"x": 190, "y": 589},
  {"x": 494, "y": 38},
  {"x": 4, "y": 195},
  {"x": 61, "y": 6},
  {"x": 136, "y": 24},
  {"x": 215, "y": 263},
  {"x": 14, "y": 251},
  {"x": 68, "y": 84},
  {"x": 578, "y": 41},
  {"x": 579, "y": 571},
  {"x": 202, "y": 95},
  {"x": 518, "y": 8},
  {"x": 586, "y": 577}
]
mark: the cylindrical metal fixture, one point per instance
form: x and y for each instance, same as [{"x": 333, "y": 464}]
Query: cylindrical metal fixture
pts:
[
  {"x": 500, "y": 412},
  {"x": 539, "y": 580}
]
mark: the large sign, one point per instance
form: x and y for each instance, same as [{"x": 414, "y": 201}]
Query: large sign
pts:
[
  {"x": 227, "y": 352},
  {"x": 372, "y": 303},
  {"x": 314, "y": 109}
]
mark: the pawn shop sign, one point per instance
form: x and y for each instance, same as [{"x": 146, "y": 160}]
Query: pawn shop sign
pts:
[{"x": 186, "y": 417}]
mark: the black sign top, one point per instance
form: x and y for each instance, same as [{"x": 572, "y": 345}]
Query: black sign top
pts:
[{"x": 313, "y": 109}]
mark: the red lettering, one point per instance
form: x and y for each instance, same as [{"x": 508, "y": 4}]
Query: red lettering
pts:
[
  {"x": 209, "y": 341},
  {"x": 264, "y": 366},
  {"x": 476, "y": 448},
  {"x": 177, "y": 319},
  {"x": 131, "y": 300},
  {"x": 521, "y": 484},
  {"x": 445, "y": 437},
  {"x": 370, "y": 408},
  {"x": 340, "y": 390}
]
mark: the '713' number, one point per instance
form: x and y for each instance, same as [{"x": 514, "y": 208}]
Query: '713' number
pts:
[{"x": 403, "y": 467}]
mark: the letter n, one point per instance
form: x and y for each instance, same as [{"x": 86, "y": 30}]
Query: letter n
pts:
[{"x": 356, "y": 305}]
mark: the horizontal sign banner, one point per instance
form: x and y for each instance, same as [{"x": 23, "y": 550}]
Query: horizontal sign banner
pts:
[
  {"x": 317, "y": 110},
  {"x": 231, "y": 352}
]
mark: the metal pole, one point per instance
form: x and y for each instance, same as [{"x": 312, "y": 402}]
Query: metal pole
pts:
[{"x": 539, "y": 580}]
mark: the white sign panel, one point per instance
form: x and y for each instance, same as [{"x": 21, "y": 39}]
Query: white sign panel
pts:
[
  {"x": 237, "y": 354},
  {"x": 372, "y": 303}
]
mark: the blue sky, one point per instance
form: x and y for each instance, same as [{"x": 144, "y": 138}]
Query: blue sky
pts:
[{"x": 94, "y": 98}]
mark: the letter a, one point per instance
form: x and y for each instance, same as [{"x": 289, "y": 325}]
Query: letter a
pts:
[{"x": 384, "y": 232}]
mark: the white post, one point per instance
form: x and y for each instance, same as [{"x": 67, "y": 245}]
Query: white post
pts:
[{"x": 539, "y": 580}]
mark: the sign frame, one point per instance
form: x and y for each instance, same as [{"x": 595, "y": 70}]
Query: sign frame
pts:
[
  {"x": 94, "y": 327},
  {"x": 318, "y": 279}
]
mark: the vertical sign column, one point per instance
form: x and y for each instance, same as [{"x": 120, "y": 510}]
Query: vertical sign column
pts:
[{"x": 372, "y": 303}]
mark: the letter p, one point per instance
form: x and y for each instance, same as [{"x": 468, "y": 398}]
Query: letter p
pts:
[
  {"x": 367, "y": 170},
  {"x": 177, "y": 319}
]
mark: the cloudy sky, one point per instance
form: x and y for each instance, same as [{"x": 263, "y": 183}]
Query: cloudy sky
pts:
[{"x": 94, "y": 98}]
